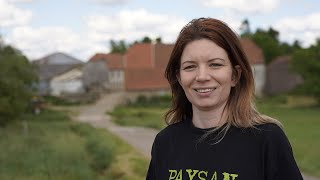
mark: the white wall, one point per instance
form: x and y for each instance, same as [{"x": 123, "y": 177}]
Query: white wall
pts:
[
  {"x": 116, "y": 79},
  {"x": 59, "y": 87},
  {"x": 259, "y": 73}
]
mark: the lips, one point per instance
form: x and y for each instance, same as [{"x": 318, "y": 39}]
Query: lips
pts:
[{"x": 204, "y": 90}]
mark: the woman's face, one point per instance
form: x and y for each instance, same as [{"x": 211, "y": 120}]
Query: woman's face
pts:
[{"x": 206, "y": 74}]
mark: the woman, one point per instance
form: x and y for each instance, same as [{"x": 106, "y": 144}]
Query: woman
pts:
[{"x": 214, "y": 131}]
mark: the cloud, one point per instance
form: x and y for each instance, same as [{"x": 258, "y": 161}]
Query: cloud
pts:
[
  {"x": 304, "y": 28},
  {"x": 13, "y": 16},
  {"x": 111, "y": 2},
  {"x": 243, "y": 6},
  {"x": 20, "y": 1},
  {"x": 38, "y": 42},
  {"x": 133, "y": 25}
]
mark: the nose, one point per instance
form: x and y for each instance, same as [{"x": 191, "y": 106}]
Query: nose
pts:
[{"x": 202, "y": 74}]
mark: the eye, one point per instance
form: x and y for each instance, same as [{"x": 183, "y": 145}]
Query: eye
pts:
[
  {"x": 215, "y": 65},
  {"x": 189, "y": 67}
]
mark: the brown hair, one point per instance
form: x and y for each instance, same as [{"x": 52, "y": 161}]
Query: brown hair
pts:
[{"x": 239, "y": 108}]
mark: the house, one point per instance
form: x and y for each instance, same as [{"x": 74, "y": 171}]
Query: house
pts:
[
  {"x": 114, "y": 63},
  {"x": 69, "y": 82},
  {"x": 53, "y": 65},
  {"x": 145, "y": 65},
  {"x": 256, "y": 59},
  {"x": 280, "y": 78}
]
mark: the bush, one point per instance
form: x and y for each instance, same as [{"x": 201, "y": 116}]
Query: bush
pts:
[
  {"x": 17, "y": 79},
  {"x": 153, "y": 101},
  {"x": 101, "y": 154}
]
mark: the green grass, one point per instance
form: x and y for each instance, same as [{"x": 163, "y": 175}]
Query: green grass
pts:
[
  {"x": 53, "y": 147},
  {"x": 146, "y": 112},
  {"x": 139, "y": 116},
  {"x": 299, "y": 115}
]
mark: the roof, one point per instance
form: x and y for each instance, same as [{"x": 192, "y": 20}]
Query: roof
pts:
[
  {"x": 140, "y": 55},
  {"x": 113, "y": 60},
  {"x": 47, "y": 72},
  {"x": 57, "y": 58},
  {"x": 162, "y": 54},
  {"x": 280, "y": 60},
  {"x": 253, "y": 51}
]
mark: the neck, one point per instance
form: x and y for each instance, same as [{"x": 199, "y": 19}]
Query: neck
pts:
[{"x": 208, "y": 118}]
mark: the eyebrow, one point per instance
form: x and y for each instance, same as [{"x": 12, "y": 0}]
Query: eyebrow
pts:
[{"x": 213, "y": 59}]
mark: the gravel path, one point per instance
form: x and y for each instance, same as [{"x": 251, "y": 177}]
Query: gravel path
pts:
[{"x": 139, "y": 137}]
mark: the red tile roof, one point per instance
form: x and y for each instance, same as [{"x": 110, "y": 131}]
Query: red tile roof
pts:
[
  {"x": 253, "y": 51},
  {"x": 113, "y": 60},
  {"x": 140, "y": 55},
  {"x": 162, "y": 54}
]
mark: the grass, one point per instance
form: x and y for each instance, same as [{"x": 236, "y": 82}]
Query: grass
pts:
[
  {"x": 146, "y": 112},
  {"x": 53, "y": 147},
  {"x": 299, "y": 115}
]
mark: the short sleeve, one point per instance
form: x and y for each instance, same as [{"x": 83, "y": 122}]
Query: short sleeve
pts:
[{"x": 279, "y": 160}]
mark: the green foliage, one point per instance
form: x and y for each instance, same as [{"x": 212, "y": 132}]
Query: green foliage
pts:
[
  {"x": 145, "y": 111},
  {"x": 269, "y": 42},
  {"x": 146, "y": 39},
  {"x": 101, "y": 153},
  {"x": 58, "y": 101},
  {"x": 57, "y": 148},
  {"x": 153, "y": 101},
  {"x": 17, "y": 80},
  {"x": 158, "y": 40},
  {"x": 306, "y": 62},
  {"x": 118, "y": 47}
]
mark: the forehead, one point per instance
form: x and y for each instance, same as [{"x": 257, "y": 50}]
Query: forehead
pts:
[{"x": 202, "y": 49}]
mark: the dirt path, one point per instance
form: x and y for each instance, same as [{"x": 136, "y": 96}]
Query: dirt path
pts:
[{"x": 140, "y": 138}]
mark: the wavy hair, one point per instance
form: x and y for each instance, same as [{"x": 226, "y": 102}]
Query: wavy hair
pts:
[{"x": 240, "y": 109}]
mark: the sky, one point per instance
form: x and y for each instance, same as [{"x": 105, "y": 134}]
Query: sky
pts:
[{"x": 82, "y": 28}]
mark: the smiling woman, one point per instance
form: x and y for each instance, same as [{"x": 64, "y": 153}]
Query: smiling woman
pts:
[
  {"x": 206, "y": 77},
  {"x": 214, "y": 131}
]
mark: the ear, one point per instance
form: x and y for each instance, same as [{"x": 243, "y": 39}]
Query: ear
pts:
[{"x": 236, "y": 74}]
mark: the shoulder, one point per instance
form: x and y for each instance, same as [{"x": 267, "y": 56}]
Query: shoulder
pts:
[
  {"x": 170, "y": 131},
  {"x": 273, "y": 135},
  {"x": 270, "y": 130},
  {"x": 165, "y": 140}
]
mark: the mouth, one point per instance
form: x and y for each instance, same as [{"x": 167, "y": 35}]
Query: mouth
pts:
[{"x": 204, "y": 90}]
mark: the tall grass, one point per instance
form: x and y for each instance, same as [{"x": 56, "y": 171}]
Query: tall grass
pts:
[{"x": 54, "y": 147}]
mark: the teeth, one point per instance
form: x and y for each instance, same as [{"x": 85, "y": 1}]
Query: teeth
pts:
[{"x": 204, "y": 90}]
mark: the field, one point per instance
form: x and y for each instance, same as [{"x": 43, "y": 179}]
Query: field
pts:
[
  {"x": 50, "y": 146},
  {"x": 299, "y": 115}
]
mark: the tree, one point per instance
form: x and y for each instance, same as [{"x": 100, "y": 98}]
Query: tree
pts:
[
  {"x": 269, "y": 42},
  {"x": 307, "y": 63},
  {"x": 158, "y": 40},
  {"x": 17, "y": 82},
  {"x": 118, "y": 47},
  {"x": 146, "y": 39}
]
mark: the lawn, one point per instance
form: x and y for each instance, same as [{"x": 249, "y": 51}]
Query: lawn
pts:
[
  {"x": 299, "y": 115},
  {"x": 53, "y": 147}
]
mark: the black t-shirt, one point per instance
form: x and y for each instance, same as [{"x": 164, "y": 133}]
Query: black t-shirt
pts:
[{"x": 260, "y": 153}]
